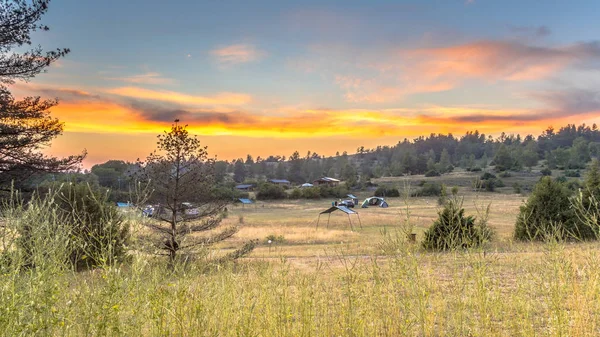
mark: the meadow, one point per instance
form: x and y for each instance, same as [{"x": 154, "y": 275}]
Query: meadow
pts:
[{"x": 325, "y": 281}]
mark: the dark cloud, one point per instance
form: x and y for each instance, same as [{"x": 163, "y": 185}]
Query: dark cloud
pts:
[
  {"x": 534, "y": 31},
  {"x": 572, "y": 102}
]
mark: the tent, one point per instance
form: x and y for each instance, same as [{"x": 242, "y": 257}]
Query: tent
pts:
[
  {"x": 340, "y": 208},
  {"x": 245, "y": 201},
  {"x": 307, "y": 185},
  {"x": 375, "y": 201}
]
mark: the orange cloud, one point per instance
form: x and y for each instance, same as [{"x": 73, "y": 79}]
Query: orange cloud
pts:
[
  {"x": 237, "y": 54},
  {"x": 225, "y": 98},
  {"x": 390, "y": 76}
]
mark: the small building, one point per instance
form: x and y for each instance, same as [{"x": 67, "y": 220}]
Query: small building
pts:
[
  {"x": 244, "y": 187},
  {"x": 279, "y": 182},
  {"x": 326, "y": 181}
]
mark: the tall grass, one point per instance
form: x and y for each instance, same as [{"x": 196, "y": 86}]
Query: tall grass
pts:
[{"x": 549, "y": 289}]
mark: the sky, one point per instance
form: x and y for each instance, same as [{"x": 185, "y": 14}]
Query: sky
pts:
[{"x": 272, "y": 77}]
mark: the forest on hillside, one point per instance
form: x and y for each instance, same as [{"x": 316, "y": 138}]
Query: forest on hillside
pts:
[{"x": 570, "y": 147}]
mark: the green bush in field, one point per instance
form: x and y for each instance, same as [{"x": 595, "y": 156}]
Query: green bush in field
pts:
[
  {"x": 269, "y": 191},
  {"x": 97, "y": 233},
  {"x": 311, "y": 193},
  {"x": 452, "y": 229},
  {"x": 383, "y": 191},
  {"x": 339, "y": 191},
  {"x": 587, "y": 202},
  {"x": 548, "y": 214},
  {"x": 429, "y": 189},
  {"x": 296, "y": 193},
  {"x": 432, "y": 173},
  {"x": 546, "y": 172}
]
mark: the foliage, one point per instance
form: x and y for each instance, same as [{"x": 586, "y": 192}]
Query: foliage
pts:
[
  {"x": 548, "y": 214},
  {"x": 26, "y": 124},
  {"x": 487, "y": 176},
  {"x": 572, "y": 173},
  {"x": 428, "y": 189},
  {"x": 432, "y": 173},
  {"x": 452, "y": 229},
  {"x": 546, "y": 172},
  {"x": 268, "y": 191},
  {"x": 339, "y": 191},
  {"x": 99, "y": 232},
  {"x": 93, "y": 232},
  {"x": 491, "y": 184},
  {"x": 385, "y": 191},
  {"x": 181, "y": 177}
]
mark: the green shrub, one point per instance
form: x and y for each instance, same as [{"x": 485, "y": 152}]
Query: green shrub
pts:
[
  {"x": 489, "y": 184},
  {"x": 548, "y": 214},
  {"x": 383, "y": 191},
  {"x": 228, "y": 193},
  {"x": 487, "y": 176},
  {"x": 274, "y": 239},
  {"x": 452, "y": 229},
  {"x": 546, "y": 172},
  {"x": 296, "y": 194},
  {"x": 339, "y": 191},
  {"x": 572, "y": 173},
  {"x": 516, "y": 188},
  {"x": 267, "y": 191},
  {"x": 432, "y": 173},
  {"x": 97, "y": 232},
  {"x": 429, "y": 189},
  {"x": 475, "y": 169},
  {"x": 311, "y": 193}
]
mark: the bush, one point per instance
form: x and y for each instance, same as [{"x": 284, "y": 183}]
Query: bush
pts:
[
  {"x": 339, "y": 191},
  {"x": 228, "y": 193},
  {"x": 547, "y": 214},
  {"x": 452, "y": 229},
  {"x": 383, "y": 191},
  {"x": 99, "y": 231},
  {"x": 475, "y": 169},
  {"x": 490, "y": 184},
  {"x": 432, "y": 173},
  {"x": 429, "y": 189},
  {"x": 487, "y": 176},
  {"x": 267, "y": 191},
  {"x": 516, "y": 188},
  {"x": 546, "y": 172},
  {"x": 311, "y": 193},
  {"x": 296, "y": 194},
  {"x": 505, "y": 174},
  {"x": 572, "y": 173},
  {"x": 96, "y": 233}
]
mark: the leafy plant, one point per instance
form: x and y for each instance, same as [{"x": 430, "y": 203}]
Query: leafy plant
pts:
[{"x": 452, "y": 229}]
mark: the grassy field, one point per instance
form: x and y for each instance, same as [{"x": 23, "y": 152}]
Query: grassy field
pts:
[{"x": 325, "y": 282}]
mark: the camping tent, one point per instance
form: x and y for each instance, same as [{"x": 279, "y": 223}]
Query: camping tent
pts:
[
  {"x": 375, "y": 201},
  {"x": 307, "y": 185},
  {"x": 340, "y": 208}
]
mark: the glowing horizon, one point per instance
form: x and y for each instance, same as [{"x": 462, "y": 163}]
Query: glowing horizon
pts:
[{"x": 297, "y": 76}]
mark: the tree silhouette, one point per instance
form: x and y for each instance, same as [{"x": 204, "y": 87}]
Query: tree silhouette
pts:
[{"x": 26, "y": 125}]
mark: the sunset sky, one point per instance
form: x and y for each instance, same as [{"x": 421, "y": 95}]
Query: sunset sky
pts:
[{"x": 271, "y": 77}]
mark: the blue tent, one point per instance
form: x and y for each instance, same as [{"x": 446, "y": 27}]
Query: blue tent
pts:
[
  {"x": 245, "y": 201},
  {"x": 123, "y": 204}
]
